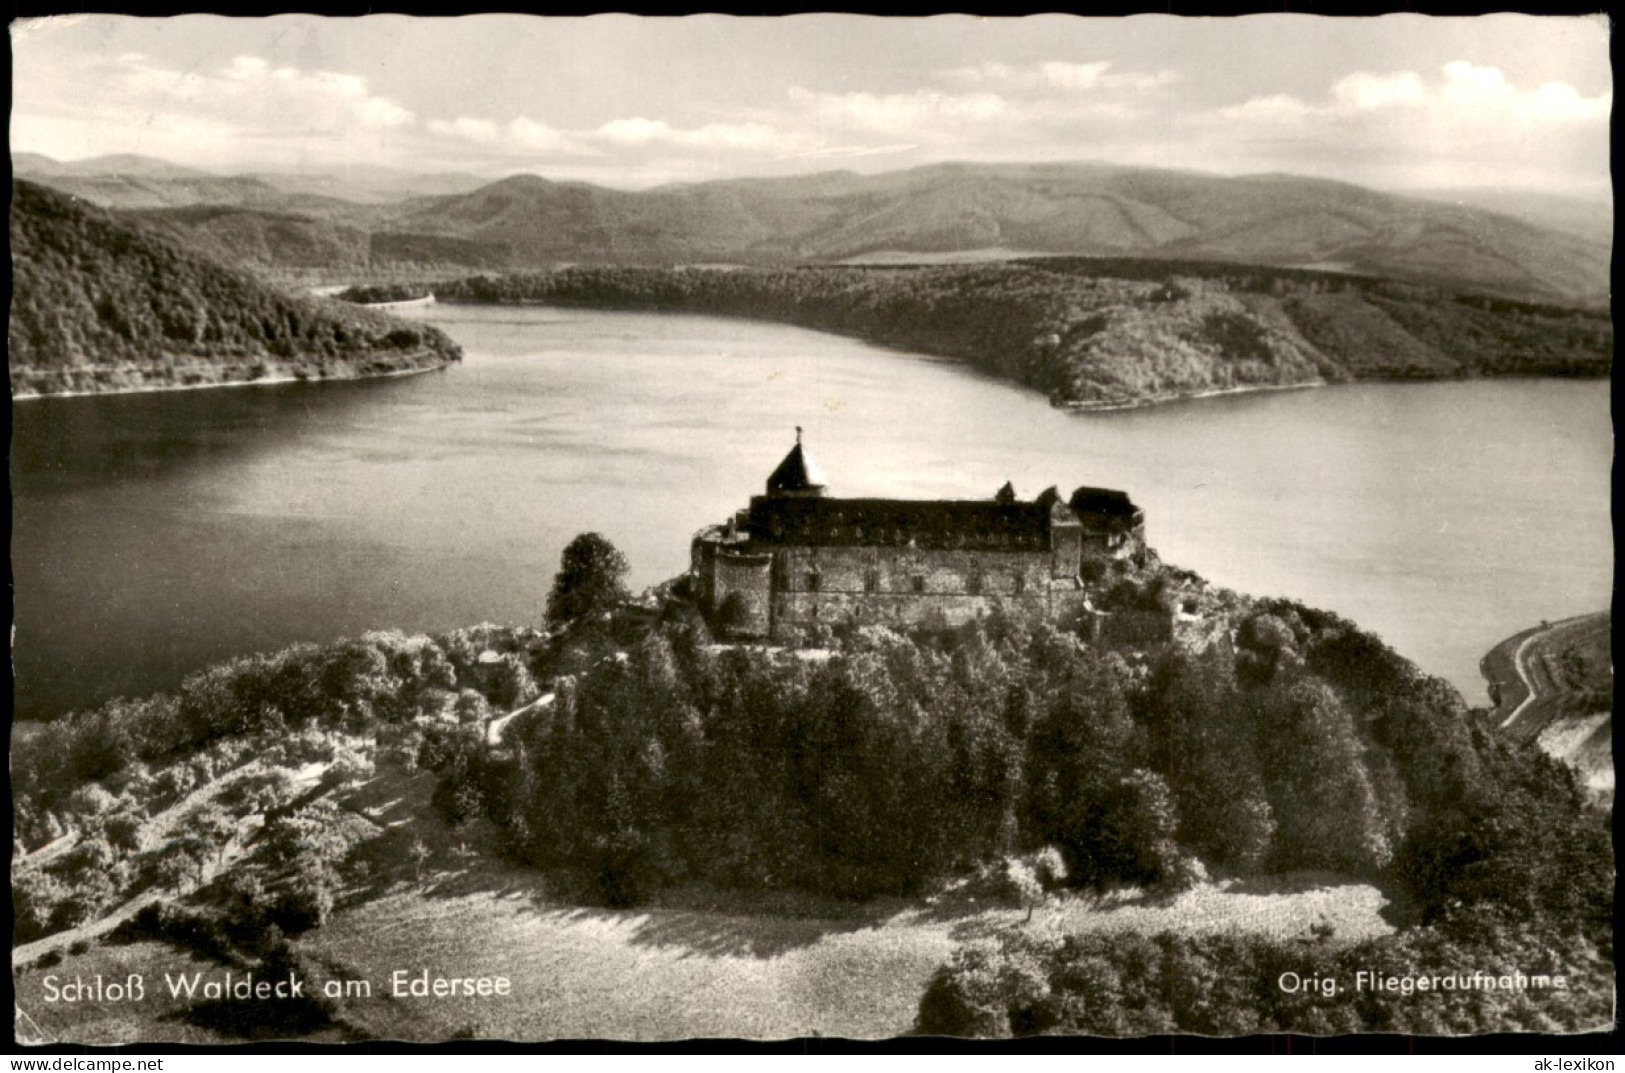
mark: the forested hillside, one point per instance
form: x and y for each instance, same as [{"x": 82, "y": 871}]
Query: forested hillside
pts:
[
  {"x": 253, "y": 238},
  {"x": 870, "y": 763},
  {"x": 1107, "y": 333},
  {"x": 101, "y": 305}
]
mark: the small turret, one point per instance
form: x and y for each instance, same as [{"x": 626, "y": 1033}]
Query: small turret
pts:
[{"x": 798, "y": 474}]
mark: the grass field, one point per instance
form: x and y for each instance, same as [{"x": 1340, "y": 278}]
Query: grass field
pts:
[
  {"x": 686, "y": 968},
  {"x": 695, "y": 963}
]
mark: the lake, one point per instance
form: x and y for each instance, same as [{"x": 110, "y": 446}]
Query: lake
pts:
[{"x": 156, "y": 533}]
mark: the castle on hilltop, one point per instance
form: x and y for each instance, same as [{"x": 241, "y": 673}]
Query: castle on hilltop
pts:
[{"x": 798, "y": 556}]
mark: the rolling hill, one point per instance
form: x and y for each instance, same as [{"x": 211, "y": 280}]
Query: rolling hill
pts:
[
  {"x": 1520, "y": 246},
  {"x": 101, "y": 305},
  {"x": 1090, "y": 210},
  {"x": 94, "y": 178},
  {"x": 1582, "y": 217},
  {"x": 260, "y": 239}
]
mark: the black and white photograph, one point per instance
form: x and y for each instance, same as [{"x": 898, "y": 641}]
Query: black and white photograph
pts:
[{"x": 823, "y": 526}]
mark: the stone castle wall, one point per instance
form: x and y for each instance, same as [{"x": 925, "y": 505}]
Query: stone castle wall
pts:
[
  {"x": 905, "y": 586},
  {"x": 740, "y": 588}
]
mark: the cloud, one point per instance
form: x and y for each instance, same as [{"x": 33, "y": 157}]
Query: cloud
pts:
[
  {"x": 635, "y": 131},
  {"x": 1364, "y": 90},
  {"x": 894, "y": 113},
  {"x": 1462, "y": 121},
  {"x": 263, "y": 100},
  {"x": 1467, "y": 124},
  {"x": 523, "y": 136},
  {"x": 129, "y": 103},
  {"x": 736, "y": 136},
  {"x": 478, "y": 131},
  {"x": 1058, "y": 75},
  {"x": 520, "y": 136},
  {"x": 529, "y": 135},
  {"x": 1466, "y": 97}
]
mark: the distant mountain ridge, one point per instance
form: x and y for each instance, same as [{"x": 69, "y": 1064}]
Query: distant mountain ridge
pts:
[
  {"x": 132, "y": 181},
  {"x": 932, "y": 212},
  {"x": 101, "y": 305},
  {"x": 1582, "y": 217},
  {"x": 1092, "y": 210}
]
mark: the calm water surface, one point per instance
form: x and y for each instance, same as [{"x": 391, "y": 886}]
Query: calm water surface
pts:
[{"x": 156, "y": 533}]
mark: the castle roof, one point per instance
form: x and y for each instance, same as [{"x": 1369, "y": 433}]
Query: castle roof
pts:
[
  {"x": 796, "y": 511},
  {"x": 970, "y": 524},
  {"x": 797, "y": 473}
]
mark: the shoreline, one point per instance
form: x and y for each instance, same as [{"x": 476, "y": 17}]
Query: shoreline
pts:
[
  {"x": 1071, "y": 407},
  {"x": 404, "y": 303},
  {"x": 263, "y": 381},
  {"x": 1081, "y": 407}
]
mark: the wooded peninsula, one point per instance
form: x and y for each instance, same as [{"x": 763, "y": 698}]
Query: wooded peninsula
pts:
[{"x": 1097, "y": 333}]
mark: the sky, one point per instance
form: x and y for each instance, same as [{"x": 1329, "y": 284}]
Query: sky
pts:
[{"x": 1401, "y": 102}]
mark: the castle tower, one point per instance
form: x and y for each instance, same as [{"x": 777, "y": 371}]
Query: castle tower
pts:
[{"x": 798, "y": 475}]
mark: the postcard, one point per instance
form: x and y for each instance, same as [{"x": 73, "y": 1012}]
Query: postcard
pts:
[{"x": 649, "y": 529}]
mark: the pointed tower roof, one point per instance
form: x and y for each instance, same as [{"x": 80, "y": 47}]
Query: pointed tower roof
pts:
[{"x": 798, "y": 474}]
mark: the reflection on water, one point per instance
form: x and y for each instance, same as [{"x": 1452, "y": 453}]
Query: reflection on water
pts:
[{"x": 154, "y": 533}]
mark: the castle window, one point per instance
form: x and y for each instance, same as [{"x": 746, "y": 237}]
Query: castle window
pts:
[
  {"x": 974, "y": 584},
  {"x": 813, "y": 581},
  {"x": 1021, "y": 583},
  {"x": 871, "y": 581},
  {"x": 919, "y": 583}
]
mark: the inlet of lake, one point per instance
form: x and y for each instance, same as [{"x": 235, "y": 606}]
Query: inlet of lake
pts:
[{"x": 154, "y": 534}]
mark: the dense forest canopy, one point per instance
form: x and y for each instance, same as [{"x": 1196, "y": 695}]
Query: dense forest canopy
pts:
[
  {"x": 99, "y": 304},
  {"x": 1099, "y": 333}
]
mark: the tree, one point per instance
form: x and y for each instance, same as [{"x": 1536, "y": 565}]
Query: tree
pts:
[
  {"x": 195, "y": 850},
  {"x": 215, "y": 829},
  {"x": 987, "y": 991},
  {"x": 419, "y": 853},
  {"x": 591, "y": 577},
  {"x": 174, "y": 870},
  {"x": 1021, "y": 884}
]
